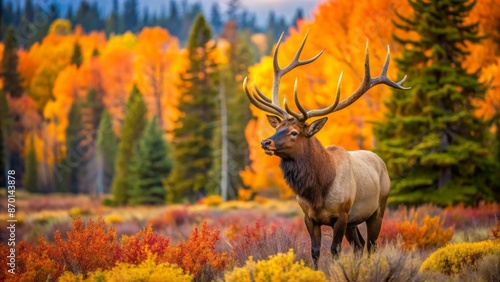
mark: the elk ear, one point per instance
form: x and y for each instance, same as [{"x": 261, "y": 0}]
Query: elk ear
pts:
[
  {"x": 315, "y": 126},
  {"x": 273, "y": 120}
]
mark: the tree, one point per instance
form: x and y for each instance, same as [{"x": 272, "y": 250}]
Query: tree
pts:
[
  {"x": 195, "y": 127},
  {"x": 77, "y": 56},
  {"x": 73, "y": 159},
  {"x": 30, "y": 177},
  {"x": 106, "y": 146},
  {"x": 150, "y": 167},
  {"x": 216, "y": 18},
  {"x": 12, "y": 81},
  {"x": 133, "y": 126},
  {"x": 434, "y": 146},
  {"x": 131, "y": 15}
]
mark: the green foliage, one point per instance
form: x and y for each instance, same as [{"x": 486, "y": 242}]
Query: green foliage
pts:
[
  {"x": 280, "y": 267},
  {"x": 106, "y": 146},
  {"x": 31, "y": 174},
  {"x": 150, "y": 167},
  {"x": 435, "y": 148},
  {"x": 11, "y": 77},
  {"x": 77, "y": 57},
  {"x": 133, "y": 126},
  {"x": 192, "y": 143},
  {"x": 455, "y": 258},
  {"x": 71, "y": 177}
]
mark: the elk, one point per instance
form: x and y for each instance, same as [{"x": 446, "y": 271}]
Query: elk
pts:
[{"x": 333, "y": 187}]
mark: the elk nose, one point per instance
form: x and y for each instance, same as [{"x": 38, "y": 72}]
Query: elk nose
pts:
[{"x": 265, "y": 143}]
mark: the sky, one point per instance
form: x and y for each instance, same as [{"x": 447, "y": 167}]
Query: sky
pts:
[{"x": 261, "y": 8}]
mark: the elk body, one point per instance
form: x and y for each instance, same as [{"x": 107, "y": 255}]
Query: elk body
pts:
[{"x": 333, "y": 187}]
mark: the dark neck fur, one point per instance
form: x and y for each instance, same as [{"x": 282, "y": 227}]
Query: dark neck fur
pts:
[{"x": 311, "y": 172}]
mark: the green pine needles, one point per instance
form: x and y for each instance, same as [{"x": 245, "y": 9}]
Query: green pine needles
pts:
[{"x": 435, "y": 148}]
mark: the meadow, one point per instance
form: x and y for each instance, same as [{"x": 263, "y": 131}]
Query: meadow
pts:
[{"x": 68, "y": 238}]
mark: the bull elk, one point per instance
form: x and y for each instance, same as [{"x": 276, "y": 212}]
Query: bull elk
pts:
[{"x": 334, "y": 187}]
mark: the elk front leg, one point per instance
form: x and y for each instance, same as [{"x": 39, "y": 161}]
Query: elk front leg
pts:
[
  {"x": 339, "y": 228},
  {"x": 314, "y": 230}
]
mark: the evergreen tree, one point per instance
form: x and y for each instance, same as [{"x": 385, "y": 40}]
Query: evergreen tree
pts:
[
  {"x": 216, "y": 18},
  {"x": 30, "y": 177},
  {"x": 113, "y": 20},
  {"x": 29, "y": 11},
  {"x": 106, "y": 146},
  {"x": 77, "y": 57},
  {"x": 194, "y": 132},
  {"x": 131, "y": 15},
  {"x": 174, "y": 19},
  {"x": 72, "y": 162},
  {"x": 133, "y": 126},
  {"x": 433, "y": 144},
  {"x": 150, "y": 167},
  {"x": 11, "y": 77}
]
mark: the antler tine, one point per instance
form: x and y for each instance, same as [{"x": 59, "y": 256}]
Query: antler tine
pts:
[
  {"x": 297, "y": 103},
  {"x": 368, "y": 82},
  {"x": 329, "y": 109},
  {"x": 255, "y": 102},
  {"x": 279, "y": 72}
]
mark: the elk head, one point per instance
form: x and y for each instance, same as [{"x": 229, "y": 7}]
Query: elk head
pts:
[{"x": 292, "y": 129}]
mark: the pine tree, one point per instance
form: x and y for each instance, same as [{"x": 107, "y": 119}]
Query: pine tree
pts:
[
  {"x": 434, "y": 146},
  {"x": 73, "y": 160},
  {"x": 77, "y": 57},
  {"x": 133, "y": 126},
  {"x": 150, "y": 167},
  {"x": 106, "y": 146},
  {"x": 11, "y": 77},
  {"x": 30, "y": 177},
  {"x": 194, "y": 132}
]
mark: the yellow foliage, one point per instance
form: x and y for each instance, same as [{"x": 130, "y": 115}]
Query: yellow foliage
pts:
[
  {"x": 428, "y": 235},
  {"x": 452, "y": 259},
  {"x": 280, "y": 267},
  {"x": 214, "y": 200},
  {"x": 124, "y": 272},
  {"x": 113, "y": 218},
  {"x": 60, "y": 27}
]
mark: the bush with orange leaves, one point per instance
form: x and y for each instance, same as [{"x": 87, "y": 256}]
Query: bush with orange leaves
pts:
[
  {"x": 135, "y": 248},
  {"x": 429, "y": 235},
  {"x": 198, "y": 253}
]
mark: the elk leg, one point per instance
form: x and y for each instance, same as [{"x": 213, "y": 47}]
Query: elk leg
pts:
[
  {"x": 314, "y": 230},
  {"x": 339, "y": 230},
  {"x": 355, "y": 239},
  {"x": 373, "y": 225}
]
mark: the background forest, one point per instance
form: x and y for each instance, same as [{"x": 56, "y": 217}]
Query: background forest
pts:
[{"x": 136, "y": 153}]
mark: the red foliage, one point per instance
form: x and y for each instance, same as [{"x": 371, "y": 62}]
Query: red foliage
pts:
[
  {"x": 389, "y": 231},
  {"x": 87, "y": 247},
  {"x": 429, "y": 235},
  {"x": 135, "y": 248},
  {"x": 197, "y": 251}
]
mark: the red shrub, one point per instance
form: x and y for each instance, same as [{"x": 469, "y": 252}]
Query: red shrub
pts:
[
  {"x": 135, "y": 248},
  {"x": 389, "y": 231},
  {"x": 87, "y": 247},
  {"x": 198, "y": 251}
]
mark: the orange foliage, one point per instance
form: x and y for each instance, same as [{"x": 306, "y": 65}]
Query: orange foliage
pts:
[
  {"x": 157, "y": 66},
  {"x": 87, "y": 247},
  {"x": 135, "y": 249},
  {"x": 199, "y": 250},
  {"x": 429, "y": 235}
]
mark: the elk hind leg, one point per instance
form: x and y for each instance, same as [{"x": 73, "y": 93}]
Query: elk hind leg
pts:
[
  {"x": 355, "y": 239},
  {"x": 373, "y": 226}
]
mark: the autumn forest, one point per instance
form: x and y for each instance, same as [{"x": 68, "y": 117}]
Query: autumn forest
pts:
[{"x": 139, "y": 121}]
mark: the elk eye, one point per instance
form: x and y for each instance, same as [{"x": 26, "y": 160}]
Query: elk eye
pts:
[{"x": 294, "y": 133}]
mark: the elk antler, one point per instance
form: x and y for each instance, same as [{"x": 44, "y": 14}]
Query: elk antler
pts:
[{"x": 272, "y": 105}]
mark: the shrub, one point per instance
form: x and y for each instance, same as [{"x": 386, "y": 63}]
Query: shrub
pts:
[
  {"x": 113, "y": 218},
  {"x": 389, "y": 231},
  {"x": 454, "y": 258},
  {"x": 280, "y": 267},
  {"x": 495, "y": 231},
  {"x": 197, "y": 252},
  {"x": 213, "y": 200},
  {"x": 135, "y": 248},
  {"x": 427, "y": 236},
  {"x": 148, "y": 270}
]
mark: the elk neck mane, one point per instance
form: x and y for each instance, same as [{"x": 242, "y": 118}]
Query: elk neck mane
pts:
[{"x": 311, "y": 172}]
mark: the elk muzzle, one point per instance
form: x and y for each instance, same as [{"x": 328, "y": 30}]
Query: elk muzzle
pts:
[{"x": 268, "y": 146}]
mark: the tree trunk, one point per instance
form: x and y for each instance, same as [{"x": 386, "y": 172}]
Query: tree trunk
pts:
[{"x": 225, "y": 143}]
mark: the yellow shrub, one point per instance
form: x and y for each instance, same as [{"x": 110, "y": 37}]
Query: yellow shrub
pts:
[
  {"x": 124, "y": 272},
  {"x": 277, "y": 268},
  {"x": 113, "y": 218},
  {"x": 453, "y": 258},
  {"x": 213, "y": 200},
  {"x": 76, "y": 211}
]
